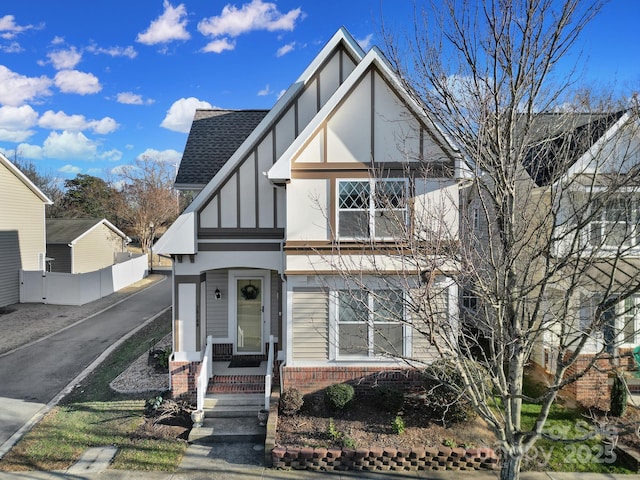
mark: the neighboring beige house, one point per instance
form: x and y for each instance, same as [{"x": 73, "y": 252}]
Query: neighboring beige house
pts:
[
  {"x": 297, "y": 192},
  {"x": 22, "y": 229},
  {"x": 579, "y": 188},
  {"x": 81, "y": 245}
]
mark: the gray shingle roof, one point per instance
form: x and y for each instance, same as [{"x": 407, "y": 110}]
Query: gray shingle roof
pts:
[
  {"x": 66, "y": 230},
  {"x": 214, "y": 137},
  {"x": 563, "y": 146}
]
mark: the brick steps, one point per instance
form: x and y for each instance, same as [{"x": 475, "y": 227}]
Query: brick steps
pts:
[{"x": 236, "y": 384}]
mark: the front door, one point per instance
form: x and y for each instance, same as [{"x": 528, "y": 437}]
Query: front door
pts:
[{"x": 249, "y": 315}]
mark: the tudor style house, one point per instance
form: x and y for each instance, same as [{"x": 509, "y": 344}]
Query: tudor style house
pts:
[{"x": 284, "y": 197}]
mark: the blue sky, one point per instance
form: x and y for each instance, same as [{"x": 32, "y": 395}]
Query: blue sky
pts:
[{"x": 86, "y": 87}]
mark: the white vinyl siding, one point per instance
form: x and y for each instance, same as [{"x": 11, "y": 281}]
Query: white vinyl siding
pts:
[
  {"x": 96, "y": 250},
  {"x": 310, "y": 316},
  {"x": 22, "y": 234}
]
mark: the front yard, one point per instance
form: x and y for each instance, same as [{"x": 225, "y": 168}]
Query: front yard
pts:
[{"x": 94, "y": 415}]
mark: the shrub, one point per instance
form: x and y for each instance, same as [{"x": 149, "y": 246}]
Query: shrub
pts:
[
  {"x": 388, "y": 398},
  {"x": 332, "y": 431},
  {"x": 291, "y": 401},
  {"x": 445, "y": 390},
  {"x": 619, "y": 398},
  {"x": 338, "y": 396},
  {"x": 398, "y": 425}
]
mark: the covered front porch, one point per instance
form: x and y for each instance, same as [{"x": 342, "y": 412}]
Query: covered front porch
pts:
[{"x": 240, "y": 311}]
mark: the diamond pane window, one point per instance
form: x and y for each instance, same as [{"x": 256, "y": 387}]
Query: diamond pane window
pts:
[{"x": 371, "y": 208}]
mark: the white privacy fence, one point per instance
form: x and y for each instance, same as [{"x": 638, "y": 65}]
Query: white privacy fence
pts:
[{"x": 80, "y": 288}]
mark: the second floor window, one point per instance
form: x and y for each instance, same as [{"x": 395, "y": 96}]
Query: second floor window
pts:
[
  {"x": 371, "y": 208},
  {"x": 615, "y": 222}
]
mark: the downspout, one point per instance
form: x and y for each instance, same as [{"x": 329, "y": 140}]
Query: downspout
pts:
[{"x": 70, "y": 245}]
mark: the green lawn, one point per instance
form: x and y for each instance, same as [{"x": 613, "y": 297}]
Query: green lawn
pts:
[
  {"x": 94, "y": 415},
  {"x": 575, "y": 444}
]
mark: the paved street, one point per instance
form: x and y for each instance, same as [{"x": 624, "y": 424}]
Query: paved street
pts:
[{"x": 31, "y": 377}]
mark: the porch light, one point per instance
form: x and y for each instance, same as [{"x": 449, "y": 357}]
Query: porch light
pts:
[{"x": 218, "y": 294}]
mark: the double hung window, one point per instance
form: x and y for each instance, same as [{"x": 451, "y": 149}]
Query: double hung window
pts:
[
  {"x": 629, "y": 318},
  {"x": 371, "y": 208},
  {"x": 615, "y": 222},
  {"x": 370, "y": 324}
]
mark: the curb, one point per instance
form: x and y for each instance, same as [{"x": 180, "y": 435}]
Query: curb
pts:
[{"x": 10, "y": 443}]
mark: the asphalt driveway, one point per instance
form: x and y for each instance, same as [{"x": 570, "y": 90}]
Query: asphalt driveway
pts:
[{"x": 32, "y": 376}]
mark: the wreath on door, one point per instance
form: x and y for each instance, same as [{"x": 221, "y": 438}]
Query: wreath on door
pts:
[{"x": 250, "y": 292}]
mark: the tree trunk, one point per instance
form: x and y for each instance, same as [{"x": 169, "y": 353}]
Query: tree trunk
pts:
[{"x": 510, "y": 467}]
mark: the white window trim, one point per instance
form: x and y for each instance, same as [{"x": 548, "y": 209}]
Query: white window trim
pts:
[
  {"x": 371, "y": 210},
  {"x": 334, "y": 344}
]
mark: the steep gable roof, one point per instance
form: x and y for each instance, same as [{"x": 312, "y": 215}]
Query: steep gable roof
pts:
[
  {"x": 70, "y": 230},
  {"x": 569, "y": 144},
  {"x": 24, "y": 179},
  {"x": 180, "y": 237},
  {"x": 214, "y": 137},
  {"x": 281, "y": 171}
]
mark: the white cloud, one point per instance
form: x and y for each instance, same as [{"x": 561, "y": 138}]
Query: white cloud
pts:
[
  {"x": 61, "y": 121},
  {"x": 13, "y": 47},
  {"x": 130, "y": 98},
  {"x": 70, "y": 169},
  {"x": 9, "y": 29},
  {"x": 18, "y": 117},
  {"x": 365, "y": 42},
  {"x": 128, "y": 52},
  {"x": 219, "y": 46},
  {"x": 171, "y": 25},
  {"x": 16, "y": 89},
  {"x": 57, "y": 40},
  {"x": 104, "y": 126},
  {"x": 65, "y": 59},
  {"x": 69, "y": 145},
  {"x": 285, "y": 49},
  {"x": 76, "y": 123},
  {"x": 32, "y": 152},
  {"x": 166, "y": 156},
  {"x": 15, "y": 123},
  {"x": 265, "y": 91},
  {"x": 113, "y": 155},
  {"x": 74, "y": 81},
  {"x": 12, "y": 135},
  {"x": 180, "y": 115},
  {"x": 257, "y": 15}
]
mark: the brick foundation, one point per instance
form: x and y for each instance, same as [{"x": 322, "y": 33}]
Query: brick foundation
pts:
[
  {"x": 184, "y": 376},
  {"x": 313, "y": 379},
  {"x": 591, "y": 389}
]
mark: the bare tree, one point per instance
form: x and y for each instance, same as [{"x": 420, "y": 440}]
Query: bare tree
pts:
[
  {"x": 548, "y": 257},
  {"x": 148, "y": 202}
]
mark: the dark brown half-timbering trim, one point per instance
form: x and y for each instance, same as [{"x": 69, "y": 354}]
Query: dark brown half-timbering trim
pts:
[
  {"x": 358, "y": 169},
  {"x": 378, "y": 247},
  {"x": 256, "y": 179},
  {"x": 238, "y": 189},
  {"x": 202, "y": 277},
  {"x": 239, "y": 247},
  {"x": 372, "y": 120},
  {"x": 241, "y": 233}
]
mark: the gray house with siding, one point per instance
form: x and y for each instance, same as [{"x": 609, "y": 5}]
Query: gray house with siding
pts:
[
  {"x": 81, "y": 245},
  {"x": 22, "y": 229}
]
